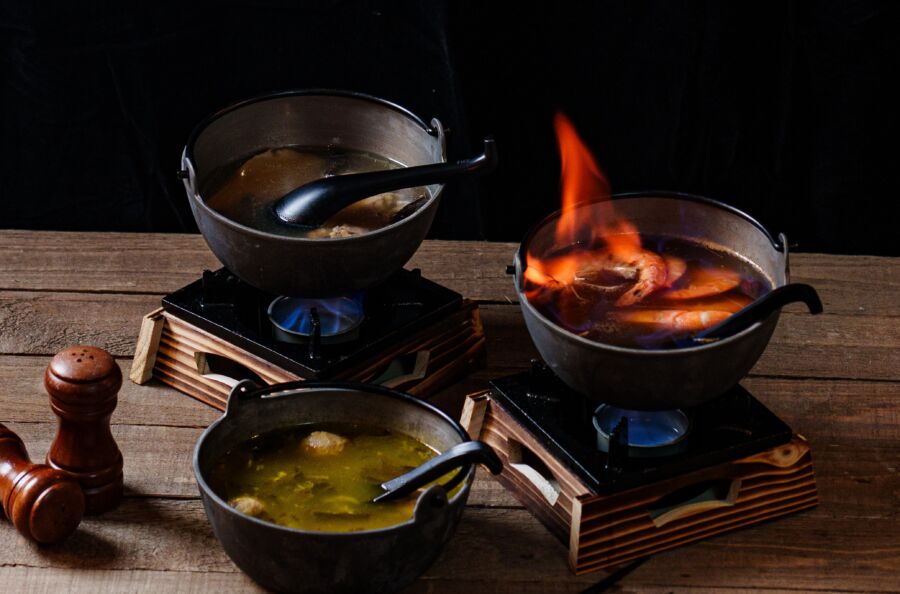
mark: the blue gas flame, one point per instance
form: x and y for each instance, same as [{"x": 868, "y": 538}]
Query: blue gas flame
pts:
[{"x": 336, "y": 314}]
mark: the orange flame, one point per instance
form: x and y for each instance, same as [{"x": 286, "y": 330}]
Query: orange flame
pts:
[
  {"x": 582, "y": 182},
  {"x": 594, "y": 247}
]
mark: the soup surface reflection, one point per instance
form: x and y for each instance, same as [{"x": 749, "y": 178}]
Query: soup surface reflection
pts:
[{"x": 320, "y": 477}]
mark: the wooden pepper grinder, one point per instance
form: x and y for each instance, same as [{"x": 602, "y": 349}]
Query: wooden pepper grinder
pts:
[
  {"x": 44, "y": 504},
  {"x": 83, "y": 383}
]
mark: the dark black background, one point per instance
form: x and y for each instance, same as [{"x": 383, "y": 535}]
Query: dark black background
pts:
[{"x": 786, "y": 109}]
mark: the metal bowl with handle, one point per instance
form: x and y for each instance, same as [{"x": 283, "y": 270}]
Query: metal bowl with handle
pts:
[
  {"x": 646, "y": 379},
  {"x": 289, "y": 559},
  {"x": 295, "y": 265}
]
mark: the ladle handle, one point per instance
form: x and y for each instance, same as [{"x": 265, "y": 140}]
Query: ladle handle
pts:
[
  {"x": 463, "y": 454},
  {"x": 763, "y": 308},
  {"x": 313, "y": 203}
]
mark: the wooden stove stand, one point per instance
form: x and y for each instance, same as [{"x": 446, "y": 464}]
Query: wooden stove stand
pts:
[
  {"x": 604, "y": 531},
  {"x": 174, "y": 351}
]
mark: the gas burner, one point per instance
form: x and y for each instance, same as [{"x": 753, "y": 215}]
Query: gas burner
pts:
[
  {"x": 331, "y": 320},
  {"x": 646, "y": 433},
  {"x": 614, "y": 449}
]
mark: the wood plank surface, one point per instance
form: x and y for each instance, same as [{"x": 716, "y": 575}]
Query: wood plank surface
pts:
[
  {"x": 853, "y": 436},
  {"x": 834, "y": 378},
  {"x": 161, "y": 263},
  {"x": 827, "y": 346},
  {"x": 493, "y": 549},
  {"x": 91, "y": 581}
]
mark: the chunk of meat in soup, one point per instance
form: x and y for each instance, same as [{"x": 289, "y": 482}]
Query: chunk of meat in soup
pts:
[
  {"x": 323, "y": 443},
  {"x": 248, "y": 505}
]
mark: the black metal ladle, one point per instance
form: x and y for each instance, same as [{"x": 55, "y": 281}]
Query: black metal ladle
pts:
[
  {"x": 462, "y": 454},
  {"x": 760, "y": 309},
  {"x": 312, "y": 204}
]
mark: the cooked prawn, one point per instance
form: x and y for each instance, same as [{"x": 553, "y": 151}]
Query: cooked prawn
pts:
[
  {"x": 647, "y": 270},
  {"x": 704, "y": 282},
  {"x": 675, "y": 268},
  {"x": 672, "y": 319},
  {"x": 540, "y": 287},
  {"x": 730, "y": 302}
]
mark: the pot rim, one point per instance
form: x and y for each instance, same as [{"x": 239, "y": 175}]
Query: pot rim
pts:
[
  {"x": 187, "y": 163},
  {"x": 294, "y": 388},
  {"x": 779, "y": 246}
]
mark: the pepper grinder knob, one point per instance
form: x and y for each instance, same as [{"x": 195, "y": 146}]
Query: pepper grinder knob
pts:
[
  {"x": 83, "y": 383},
  {"x": 44, "y": 504}
]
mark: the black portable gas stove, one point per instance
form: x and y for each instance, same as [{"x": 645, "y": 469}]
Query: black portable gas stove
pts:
[
  {"x": 621, "y": 487},
  {"x": 408, "y": 332}
]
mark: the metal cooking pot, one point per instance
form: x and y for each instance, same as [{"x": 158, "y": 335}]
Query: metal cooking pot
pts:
[
  {"x": 659, "y": 379},
  {"x": 288, "y": 559},
  {"x": 285, "y": 265}
]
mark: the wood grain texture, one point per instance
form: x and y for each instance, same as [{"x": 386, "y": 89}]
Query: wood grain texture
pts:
[
  {"x": 173, "y": 536},
  {"x": 33, "y": 580},
  {"x": 146, "y": 347},
  {"x": 834, "y": 378},
  {"x": 161, "y": 263},
  {"x": 30, "y": 580},
  {"x": 23, "y": 399}
]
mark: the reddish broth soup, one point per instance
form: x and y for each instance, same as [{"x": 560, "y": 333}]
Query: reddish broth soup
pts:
[{"x": 671, "y": 290}]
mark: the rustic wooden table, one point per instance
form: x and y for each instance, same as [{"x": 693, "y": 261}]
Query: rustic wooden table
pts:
[{"x": 834, "y": 378}]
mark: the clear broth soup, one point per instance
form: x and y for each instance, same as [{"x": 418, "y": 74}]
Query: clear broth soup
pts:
[
  {"x": 244, "y": 191},
  {"x": 320, "y": 477}
]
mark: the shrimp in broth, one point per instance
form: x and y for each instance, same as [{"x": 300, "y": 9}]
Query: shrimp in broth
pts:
[{"x": 652, "y": 301}]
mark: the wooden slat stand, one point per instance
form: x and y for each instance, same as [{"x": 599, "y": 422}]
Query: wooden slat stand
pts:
[
  {"x": 175, "y": 352},
  {"x": 606, "y": 531}
]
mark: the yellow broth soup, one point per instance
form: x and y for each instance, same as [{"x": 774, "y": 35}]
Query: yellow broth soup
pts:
[{"x": 320, "y": 477}]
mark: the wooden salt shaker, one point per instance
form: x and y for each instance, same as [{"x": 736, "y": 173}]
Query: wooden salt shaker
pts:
[
  {"x": 44, "y": 504},
  {"x": 83, "y": 383}
]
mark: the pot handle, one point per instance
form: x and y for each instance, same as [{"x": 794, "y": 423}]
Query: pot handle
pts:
[
  {"x": 187, "y": 175},
  {"x": 240, "y": 392},
  {"x": 249, "y": 390},
  {"x": 430, "y": 503},
  {"x": 246, "y": 389}
]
